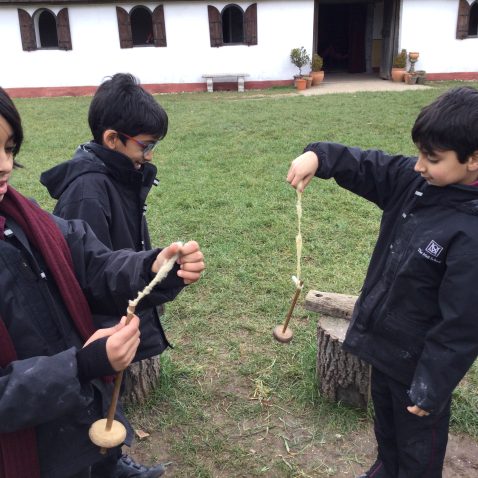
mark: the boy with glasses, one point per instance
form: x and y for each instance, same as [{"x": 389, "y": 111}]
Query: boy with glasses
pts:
[{"x": 106, "y": 184}]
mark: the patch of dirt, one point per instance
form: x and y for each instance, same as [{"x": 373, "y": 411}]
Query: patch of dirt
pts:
[{"x": 275, "y": 444}]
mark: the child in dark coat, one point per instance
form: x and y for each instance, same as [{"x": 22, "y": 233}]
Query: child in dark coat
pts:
[
  {"x": 415, "y": 320},
  {"x": 54, "y": 274},
  {"x": 106, "y": 184}
]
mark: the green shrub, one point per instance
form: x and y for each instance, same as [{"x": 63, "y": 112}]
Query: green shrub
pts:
[{"x": 400, "y": 60}]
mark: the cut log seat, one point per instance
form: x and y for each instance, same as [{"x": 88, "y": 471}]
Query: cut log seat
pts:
[{"x": 342, "y": 377}]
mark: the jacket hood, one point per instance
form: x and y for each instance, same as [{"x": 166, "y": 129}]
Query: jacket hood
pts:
[
  {"x": 94, "y": 158},
  {"x": 58, "y": 178}
]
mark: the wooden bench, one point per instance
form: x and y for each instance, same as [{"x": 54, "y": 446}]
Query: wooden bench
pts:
[{"x": 210, "y": 77}]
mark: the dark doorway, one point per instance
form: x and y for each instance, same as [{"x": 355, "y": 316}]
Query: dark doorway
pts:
[{"x": 341, "y": 37}]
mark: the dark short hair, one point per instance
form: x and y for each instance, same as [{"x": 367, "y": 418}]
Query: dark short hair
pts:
[
  {"x": 449, "y": 123},
  {"x": 122, "y": 104},
  {"x": 9, "y": 111}
]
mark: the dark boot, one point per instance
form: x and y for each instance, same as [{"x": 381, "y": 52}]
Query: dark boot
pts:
[{"x": 128, "y": 468}]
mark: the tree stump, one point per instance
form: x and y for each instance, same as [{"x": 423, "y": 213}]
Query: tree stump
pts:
[
  {"x": 342, "y": 377},
  {"x": 139, "y": 379}
]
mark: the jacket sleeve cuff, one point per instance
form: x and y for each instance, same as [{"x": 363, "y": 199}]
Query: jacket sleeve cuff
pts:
[
  {"x": 321, "y": 154},
  {"x": 93, "y": 361},
  {"x": 171, "y": 281}
]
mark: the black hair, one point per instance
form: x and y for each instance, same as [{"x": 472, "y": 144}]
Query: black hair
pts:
[
  {"x": 9, "y": 111},
  {"x": 122, "y": 104},
  {"x": 449, "y": 123}
]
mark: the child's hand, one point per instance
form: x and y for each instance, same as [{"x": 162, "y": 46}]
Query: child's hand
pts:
[
  {"x": 191, "y": 260},
  {"x": 302, "y": 170},
  {"x": 415, "y": 410},
  {"x": 122, "y": 344}
]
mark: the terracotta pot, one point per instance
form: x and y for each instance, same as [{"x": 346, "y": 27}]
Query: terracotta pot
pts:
[
  {"x": 300, "y": 84},
  {"x": 317, "y": 77},
  {"x": 398, "y": 74},
  {"x": 308, "y": 81},
  {"x": 413, "y": 55}
]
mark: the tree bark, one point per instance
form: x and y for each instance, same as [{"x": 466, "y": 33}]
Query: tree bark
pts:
[
  {"x": 342, "y": 377},
  {"x": 139, "y": 379}
]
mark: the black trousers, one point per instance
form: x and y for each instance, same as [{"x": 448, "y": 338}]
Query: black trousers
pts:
[{"x": 408, "y": 446}]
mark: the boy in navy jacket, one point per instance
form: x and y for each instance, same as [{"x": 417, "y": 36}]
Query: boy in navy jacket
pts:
[
  {"x": 106, "y": 184},
  {"x": 415, "y": 320}
]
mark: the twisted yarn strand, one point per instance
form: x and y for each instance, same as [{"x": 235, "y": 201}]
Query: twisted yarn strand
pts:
[
  {"x": 160, "y": 275},
  {"x": 298, "y": 240}
]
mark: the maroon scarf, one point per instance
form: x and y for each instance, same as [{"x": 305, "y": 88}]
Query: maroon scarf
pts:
[{"x": 18, "y": 450}]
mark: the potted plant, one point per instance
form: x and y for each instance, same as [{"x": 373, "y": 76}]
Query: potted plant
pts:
[
  {"x": 398, "y": 66},
  {"x": 411, "y": 78},
  {"x": 421, "y": 77},
  {"x": 317, "y": 73},
  {"x": 308, "y": 80},
  {"x": 299, "y": 57}
]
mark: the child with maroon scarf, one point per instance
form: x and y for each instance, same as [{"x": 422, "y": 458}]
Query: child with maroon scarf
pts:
[{"x": 53, "y": 275}]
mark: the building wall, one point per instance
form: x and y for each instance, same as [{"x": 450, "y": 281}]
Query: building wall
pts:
[
  {"x": 96, "y": 53},
  {"x": 429, "y": 27}
]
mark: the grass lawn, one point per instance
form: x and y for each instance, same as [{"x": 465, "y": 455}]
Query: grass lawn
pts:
[{"x": 232, "y": 401}]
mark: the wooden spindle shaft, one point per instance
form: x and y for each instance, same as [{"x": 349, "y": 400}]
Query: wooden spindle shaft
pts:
[
  {"x": 117, "y": 386},
  {"x": 292, "y": 306}
]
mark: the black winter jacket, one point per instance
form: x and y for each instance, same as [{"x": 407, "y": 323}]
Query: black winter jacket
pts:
[
  {"x": 103, "y": 188},
  {"x": 416, "y": 317},
  {"x": 41, "y": 389}
]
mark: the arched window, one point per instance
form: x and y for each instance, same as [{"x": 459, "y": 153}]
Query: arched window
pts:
[
  {"x": 473, "y": 22},
  {"x": 232, "y": 24},
  {"x": 467, "y": 23},
  {"x": 47, "y": 34},
  {"x": 141, "y": 26},
  {"x": 44, "y": 29}
]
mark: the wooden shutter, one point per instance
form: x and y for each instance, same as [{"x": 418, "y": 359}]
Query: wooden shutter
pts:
[
  {"x": 463, "y": 20},
  {"x": 159, "y": 27},
  {"x": 215, "y": 26},
  {"x": 63, "y": 30},
  {"x": 124, "y": 28},
  {"x": 27, "y": 31},
  {"x": 250, "y": 25}
]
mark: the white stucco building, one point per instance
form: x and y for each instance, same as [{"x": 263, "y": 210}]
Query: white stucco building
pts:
[{"x": 68, "y": 47}]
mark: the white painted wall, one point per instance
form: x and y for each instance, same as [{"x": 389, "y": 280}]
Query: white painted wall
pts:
[
  {"x": 281, "y": 26},
  {"x": 429, "y": 27}
]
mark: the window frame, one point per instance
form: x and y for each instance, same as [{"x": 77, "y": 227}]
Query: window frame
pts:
[
  {"x": 463, "y": 19},
  {"x": 30, "y": 32},
  {"x": 125, "y": 31},
  {"x": 249, "y": 26}
]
